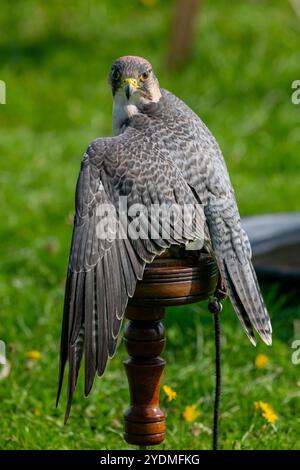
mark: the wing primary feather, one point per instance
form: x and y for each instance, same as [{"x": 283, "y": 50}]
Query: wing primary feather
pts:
[
  {"x": 89, "y": 340},
  {"x": 110, "y": 299},
  {"x": 67, "y": 318},
  {"x": 75, "y": 356},
  {"x": 246, "y": 288},
  {"x": 78, "y": 307},
  {"x": 236, "y": 302},
  {"x": 102, "y": 319},
  {"x": 128, "y": 274}
]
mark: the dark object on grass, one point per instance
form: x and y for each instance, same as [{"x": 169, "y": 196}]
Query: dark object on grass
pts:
[{"x": 275, "y": 241}]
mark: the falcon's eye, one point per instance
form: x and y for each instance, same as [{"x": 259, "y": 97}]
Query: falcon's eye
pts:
[
  {"x": 145, "y": 75},
  {"x": 115, "y": 74}
]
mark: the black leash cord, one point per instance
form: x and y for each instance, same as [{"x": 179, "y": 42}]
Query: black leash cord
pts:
[
  {"x": 215, "y": 307},
  {"x": 218, "y": 381}
]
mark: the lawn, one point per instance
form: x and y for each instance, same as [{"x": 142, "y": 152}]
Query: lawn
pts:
[{"x": 54, "y": 58}]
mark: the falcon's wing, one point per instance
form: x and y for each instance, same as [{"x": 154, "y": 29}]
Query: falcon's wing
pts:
[
  {"x": 102, "y": 273},
  {"x": 205, "y": 169}
]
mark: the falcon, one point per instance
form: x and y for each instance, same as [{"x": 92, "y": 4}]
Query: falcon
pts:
[{"x": 160, "y": 153}]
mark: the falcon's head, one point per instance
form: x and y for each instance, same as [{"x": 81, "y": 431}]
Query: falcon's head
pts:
[{"x": 132, "y": 78}]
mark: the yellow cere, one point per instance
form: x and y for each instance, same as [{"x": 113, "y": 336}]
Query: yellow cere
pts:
[{"x": 130, "y": 81}]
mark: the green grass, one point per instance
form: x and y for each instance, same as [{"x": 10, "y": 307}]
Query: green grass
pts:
[{"x": 54, "y": 59}]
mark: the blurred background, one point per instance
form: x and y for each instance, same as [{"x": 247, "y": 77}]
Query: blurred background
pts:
[{"x": 235, "y": 71}]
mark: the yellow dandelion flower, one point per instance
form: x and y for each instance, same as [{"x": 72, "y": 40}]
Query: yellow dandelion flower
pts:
[
  {"x": 35, "y": 355},
  {"x": 266, "y": 411},
  {"x": 261, "y": 361},
  {"x": 190, "y": 413},
  {"x": 37, "y": 412},
  {"x": 171, "y": 394}
]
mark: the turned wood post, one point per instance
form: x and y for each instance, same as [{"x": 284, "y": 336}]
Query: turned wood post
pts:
[
  {"x": 145, "y": 341},
  {"x": 166, "y": 281}
]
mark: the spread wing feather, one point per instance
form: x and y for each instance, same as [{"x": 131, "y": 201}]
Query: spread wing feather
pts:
[{"x": 102, "y": 273}]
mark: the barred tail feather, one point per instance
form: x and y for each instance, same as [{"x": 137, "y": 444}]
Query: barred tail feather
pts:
[{"x": 244, "y": 293}]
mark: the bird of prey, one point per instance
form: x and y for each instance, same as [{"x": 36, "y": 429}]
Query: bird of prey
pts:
[{"x": 161, "y": 152}]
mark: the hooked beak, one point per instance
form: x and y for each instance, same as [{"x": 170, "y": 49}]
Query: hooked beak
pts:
[{"x": 130, "y": 86}]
